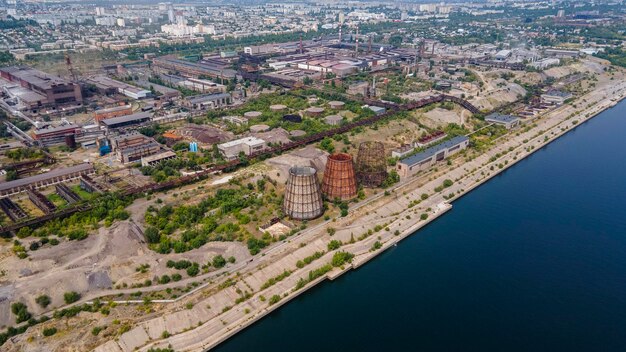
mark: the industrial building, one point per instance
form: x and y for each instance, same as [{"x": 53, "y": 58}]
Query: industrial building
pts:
[
  {"x": 157, "y": 158},
  {"x": 50, "y": 135},
  {"x": 38, "y": 89},
  {"x": 192, "y": 69},
  {"x": 125, "y": 121},
  {"x": 303, "y": 198},
  {"x": 207, "y": 101},
  {"x": 248, "y": 145},
  {"x": 41, "y": 201},
  {"x": 555, "y": 97},
  {"x": 89, "y": 185},
  {"x": 237, "y": 120},
  {"x": 12, "y": 210},
  {"x": 411, "y": 165},
  {"x": 66, "y": 193},
  {"x": 109, "y": 86},
  {"x": 46, "y": 179},
  {"x": 339, "y": 180},
  {"x": 508, "y": 121},
  {"x": 133, "y": 146},
  {"x": 545, "y": 63},
  {"x": 202, "y": 85},
  {"x": 115, "y": 111}
]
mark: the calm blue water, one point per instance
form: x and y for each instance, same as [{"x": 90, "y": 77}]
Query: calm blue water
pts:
[{"x": 534, "y": 260}]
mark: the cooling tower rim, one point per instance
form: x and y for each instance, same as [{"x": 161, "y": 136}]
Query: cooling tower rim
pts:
[
  {"x": 371, "y": 144},
  {"x": 340, "y": 157},
  {"x": 302, "y": 171}
]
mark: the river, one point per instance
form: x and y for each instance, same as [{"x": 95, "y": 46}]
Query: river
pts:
[{"x": 534, "y": 260}]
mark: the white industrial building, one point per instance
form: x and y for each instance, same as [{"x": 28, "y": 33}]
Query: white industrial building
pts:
[
  {"x": 421, "y": 161},
  {"x": 248, "y": 145},
  {"x": 555, "y": 97},
  {"x": 508, "y": 121}
]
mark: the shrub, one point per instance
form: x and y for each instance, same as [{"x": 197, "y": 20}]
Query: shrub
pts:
[
  {"x": 334, "y": 244},
  {"x": 164, "y": 279},
  {"x": 71, "y": 297},
  {"x": 49, "y": 331},
  {"x": 96, "y": 330},
  {"x": 43, "y": 301},
  {"x": 152, "y": 235},
  {"x": 274, "y": 299},
  {"x": 193, "y": 270},
  {"x": 20, "y": 311},
  {"x": 218, "y": 261},
  {"x": 340, "y": 258}
]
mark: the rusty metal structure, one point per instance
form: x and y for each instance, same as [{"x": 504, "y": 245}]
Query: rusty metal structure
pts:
[
  {"x": 371, "y": 166},
  {"x": 339, "y": 177},
  {"x": 303, "y": 198}
]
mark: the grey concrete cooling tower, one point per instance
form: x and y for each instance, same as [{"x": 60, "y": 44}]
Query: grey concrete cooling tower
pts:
[{"x": 303, "y": 198}]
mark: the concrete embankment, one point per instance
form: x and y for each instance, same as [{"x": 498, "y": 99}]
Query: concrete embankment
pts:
[{"x": 552, "y": 133}]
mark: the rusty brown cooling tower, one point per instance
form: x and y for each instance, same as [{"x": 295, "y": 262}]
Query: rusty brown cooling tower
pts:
[
  {"x": 371, "y": 166},
  {"x": 339, "y": 179},
  {"x": 303, "y": 199}
]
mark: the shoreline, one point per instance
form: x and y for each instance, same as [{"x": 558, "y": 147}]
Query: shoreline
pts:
[{"x": 444, "y": 208}]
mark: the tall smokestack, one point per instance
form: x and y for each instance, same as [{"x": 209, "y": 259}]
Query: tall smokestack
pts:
[
  {"x": 340, "y": 36},
  {"x": 369, "y": 44},
  {"x": 301, "y": 50},
  {"x": 357, "y": 41}
]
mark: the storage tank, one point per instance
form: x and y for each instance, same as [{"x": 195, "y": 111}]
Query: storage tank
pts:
[
  {"x": 303, "y": 198},
  {"x": 339, "y": 177},
  {"x": 371, "y": 166}
]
